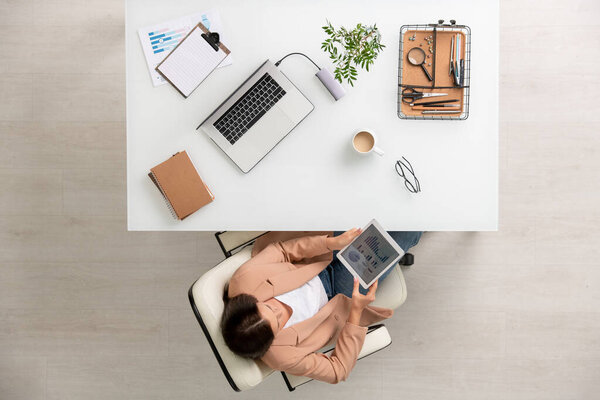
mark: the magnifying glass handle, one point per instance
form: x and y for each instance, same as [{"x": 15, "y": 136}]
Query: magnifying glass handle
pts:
[{"x": 426, "y": 72}]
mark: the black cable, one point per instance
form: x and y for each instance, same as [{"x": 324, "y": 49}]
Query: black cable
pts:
[{"x": 301, "y": 54}]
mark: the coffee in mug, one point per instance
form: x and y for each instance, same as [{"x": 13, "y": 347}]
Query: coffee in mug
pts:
[{"x": 364, "y": 142}]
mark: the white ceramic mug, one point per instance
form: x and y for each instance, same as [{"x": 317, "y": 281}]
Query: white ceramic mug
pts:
[{"x": 364, "y": 142}]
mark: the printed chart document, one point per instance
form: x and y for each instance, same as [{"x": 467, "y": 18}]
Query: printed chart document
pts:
[{"x": 158, "y": 40}]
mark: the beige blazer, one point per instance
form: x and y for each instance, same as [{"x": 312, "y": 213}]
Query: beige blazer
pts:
[{"x": 278, "y": 266}]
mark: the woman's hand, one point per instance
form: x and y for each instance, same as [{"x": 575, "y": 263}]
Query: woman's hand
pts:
[
  {"x": 360, "y": 301},
  {"x": 339, "y": 242}
]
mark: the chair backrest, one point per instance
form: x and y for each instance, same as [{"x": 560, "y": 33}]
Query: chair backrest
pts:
[{"x": 206, "y": 296}]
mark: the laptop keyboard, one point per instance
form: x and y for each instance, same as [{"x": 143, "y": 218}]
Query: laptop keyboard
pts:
[{"x": 241, "y": 116}]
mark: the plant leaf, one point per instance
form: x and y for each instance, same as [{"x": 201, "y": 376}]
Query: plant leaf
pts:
[{"x": 351, "y": 49}]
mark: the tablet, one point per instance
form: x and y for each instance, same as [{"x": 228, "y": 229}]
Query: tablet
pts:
[{"x": 371, "y": 254}]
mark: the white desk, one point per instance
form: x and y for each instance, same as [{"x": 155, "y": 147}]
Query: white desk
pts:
[{"x": 312, "y": 180}]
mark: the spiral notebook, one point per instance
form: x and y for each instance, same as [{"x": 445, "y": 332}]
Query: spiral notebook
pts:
[
  {"x": 181, "y": 186},
  {"x": 194, "y": 58}
]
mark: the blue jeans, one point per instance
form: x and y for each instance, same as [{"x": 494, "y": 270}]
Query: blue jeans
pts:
[{"x": 336, "y": 278}]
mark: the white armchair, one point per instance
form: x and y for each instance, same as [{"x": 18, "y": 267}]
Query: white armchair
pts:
[{"x": 205, "y": 297}]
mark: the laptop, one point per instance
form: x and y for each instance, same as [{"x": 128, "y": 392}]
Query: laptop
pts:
[{"x": 257, "y": 116}]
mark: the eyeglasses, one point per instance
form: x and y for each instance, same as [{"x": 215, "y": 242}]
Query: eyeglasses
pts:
[{"x": 406, "y": 171}]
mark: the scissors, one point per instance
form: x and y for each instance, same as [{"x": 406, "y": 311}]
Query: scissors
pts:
[{"x": 409, "y": 95}]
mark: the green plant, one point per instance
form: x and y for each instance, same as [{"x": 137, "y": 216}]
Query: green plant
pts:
[{"x": 350, "y": 49}]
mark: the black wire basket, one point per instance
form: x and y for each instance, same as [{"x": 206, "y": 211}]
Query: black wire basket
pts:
[{"x": 466, "y": 83}]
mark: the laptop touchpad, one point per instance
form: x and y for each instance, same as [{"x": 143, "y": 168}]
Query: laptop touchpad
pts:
[{"x": 264, "y": 135}]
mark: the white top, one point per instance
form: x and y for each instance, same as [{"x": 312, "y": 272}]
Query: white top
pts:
[
  {"x": 304, "y": 301},
  {"x": 313, "y": 180}
]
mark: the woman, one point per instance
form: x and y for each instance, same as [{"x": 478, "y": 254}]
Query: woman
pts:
[{"x": 289, "y": 300}]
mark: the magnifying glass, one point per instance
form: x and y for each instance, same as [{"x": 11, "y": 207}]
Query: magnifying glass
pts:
[{"x": 416, "y": 56}]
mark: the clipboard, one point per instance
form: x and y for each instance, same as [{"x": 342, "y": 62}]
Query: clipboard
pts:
[{"x": 194, "y": 58}]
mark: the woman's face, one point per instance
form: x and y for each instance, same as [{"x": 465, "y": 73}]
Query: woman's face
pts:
[{"x": 267, "y": 314}]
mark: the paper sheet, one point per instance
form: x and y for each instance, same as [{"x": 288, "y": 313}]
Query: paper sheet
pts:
[
  {"x": 191, "y": 62},
  {"x": 158, "y": 40}
]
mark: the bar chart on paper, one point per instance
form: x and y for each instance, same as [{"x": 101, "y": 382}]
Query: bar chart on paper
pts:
[
  {"x": 158, "y": 40},
  {"x": 165, "y": 39}
]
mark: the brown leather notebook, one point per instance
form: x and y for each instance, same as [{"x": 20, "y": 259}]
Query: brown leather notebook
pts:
[{"x": 180, "y": 185}]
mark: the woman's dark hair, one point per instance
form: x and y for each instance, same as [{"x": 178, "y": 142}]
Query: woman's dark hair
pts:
[{"x": 245, "y": 332}]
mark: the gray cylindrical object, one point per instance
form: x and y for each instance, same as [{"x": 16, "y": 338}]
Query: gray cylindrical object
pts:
[{"x": 333, "y": 86}]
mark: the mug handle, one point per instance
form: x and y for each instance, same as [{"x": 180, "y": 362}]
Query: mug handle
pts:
[{"x": 378, "y": 150}]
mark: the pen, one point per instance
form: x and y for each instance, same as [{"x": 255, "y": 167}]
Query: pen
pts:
[
  {"x": 456, "y": 59},
  {"x": 441, "y": 105},
  {"x": 451, "y": 55},
  {"x": 440, "y": 112},
  {"x": 450, "y": 107},
  {"x": 433, "y": 102},
  {"x": 460, "y": 62}
]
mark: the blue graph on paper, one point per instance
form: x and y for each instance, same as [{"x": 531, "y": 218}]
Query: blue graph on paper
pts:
[{"x": 166, "y": 39}]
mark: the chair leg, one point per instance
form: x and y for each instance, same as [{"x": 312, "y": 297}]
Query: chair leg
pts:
[
  {"x": 229, "y": 252},
  {"x": 407, "y": 259},
  {"x": 225, "y": 252}
]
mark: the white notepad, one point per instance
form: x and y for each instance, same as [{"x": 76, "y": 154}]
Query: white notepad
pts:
[{"x": 191, "y": 61}]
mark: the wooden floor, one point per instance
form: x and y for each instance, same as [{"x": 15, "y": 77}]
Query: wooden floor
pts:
[{"x": 90, "y": 311}]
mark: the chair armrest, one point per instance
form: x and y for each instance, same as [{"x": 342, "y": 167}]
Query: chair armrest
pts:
[
  {"x": 391, "y": 293},
  {"x": 377, "y": 339}
]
